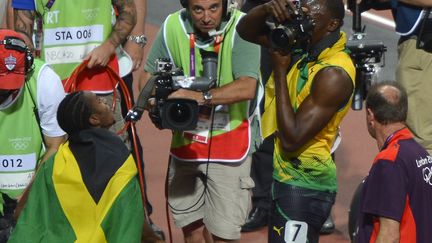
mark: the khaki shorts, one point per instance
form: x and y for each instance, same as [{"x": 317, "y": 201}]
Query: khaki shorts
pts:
[
  {"x": 223, "y": 205},
  {"x": 414, "y": 72}
]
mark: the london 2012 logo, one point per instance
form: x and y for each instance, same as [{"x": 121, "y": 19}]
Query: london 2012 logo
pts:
[
  {"x": 20, "y": 144},
  {"x": 427, "y": 175},
  {"x": 425, "y": 162}
]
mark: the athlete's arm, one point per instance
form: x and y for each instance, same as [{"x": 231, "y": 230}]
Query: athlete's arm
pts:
[
  {"x": 331, "y": 89},
  {"x": 280, "y": 10}
]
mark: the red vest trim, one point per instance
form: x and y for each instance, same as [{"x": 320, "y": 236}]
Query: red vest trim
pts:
[{"x": 232, "y": 146}]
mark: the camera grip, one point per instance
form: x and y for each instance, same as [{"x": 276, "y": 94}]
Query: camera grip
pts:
[{"x": 136, "y": 112}]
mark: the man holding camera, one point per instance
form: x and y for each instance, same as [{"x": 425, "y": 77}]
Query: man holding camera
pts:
[
  {"x": 307, "y": 96},
  {"x": 209, "y": 177}
]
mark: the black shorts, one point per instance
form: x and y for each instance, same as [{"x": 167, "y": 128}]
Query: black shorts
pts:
[{"x": 305, "y": 210}]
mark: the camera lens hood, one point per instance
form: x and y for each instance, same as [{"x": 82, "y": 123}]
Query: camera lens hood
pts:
[{"x": 179, "y": 114}]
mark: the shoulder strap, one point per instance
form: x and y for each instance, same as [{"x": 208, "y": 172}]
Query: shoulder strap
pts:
[{"x": 35, "y": 106}]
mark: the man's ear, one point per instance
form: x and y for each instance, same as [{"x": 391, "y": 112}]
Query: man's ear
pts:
[
  {"x": 370, "y": 116},
  {"x": 334, "y": 25},
  {"x": 94, "y": 120}
]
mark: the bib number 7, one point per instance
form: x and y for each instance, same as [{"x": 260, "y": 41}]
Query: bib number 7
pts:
[{"x": 296, "y": 232}]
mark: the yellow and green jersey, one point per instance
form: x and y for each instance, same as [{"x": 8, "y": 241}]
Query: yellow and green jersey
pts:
[{"x": 311, "y": 166}]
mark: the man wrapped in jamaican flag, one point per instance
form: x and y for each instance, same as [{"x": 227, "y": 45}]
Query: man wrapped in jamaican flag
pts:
[{"x": 88, "y": 191}]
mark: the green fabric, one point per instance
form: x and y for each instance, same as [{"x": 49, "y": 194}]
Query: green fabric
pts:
[
  {"x": 125, "y": 205},
  {"x": 245, "y": 55},
  {"x": 71, "y": 29},
  {"x": 43, "y": 219},
  {"x": 178, "y": 42},
  {"x": 21, "y": 136},
  {"x": 236, "y": 58}
]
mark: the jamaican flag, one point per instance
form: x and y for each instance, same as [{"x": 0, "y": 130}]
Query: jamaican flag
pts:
[{"x": 87, "y": 193}]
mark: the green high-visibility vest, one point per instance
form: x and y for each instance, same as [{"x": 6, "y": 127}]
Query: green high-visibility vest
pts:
[
  {"x": 21, "y": 138},
  {"x": 71, "y": 29},
  {"x": 229, "y": 145}
]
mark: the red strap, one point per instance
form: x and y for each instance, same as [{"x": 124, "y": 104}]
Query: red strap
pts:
[
  {"x": 218, "y": 42},
  {"x": 71, "y": 84}
]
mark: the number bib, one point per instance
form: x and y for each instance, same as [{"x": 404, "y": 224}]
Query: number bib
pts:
[
  {"x": 16, "y": 171},
  {"x": 296, "y": 232}
]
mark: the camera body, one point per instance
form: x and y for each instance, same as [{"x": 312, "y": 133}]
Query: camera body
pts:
[
  {"x": 293, "y": 34},
  {"x": 180, "y": 114},
  {"x": 368, "y": 57}
]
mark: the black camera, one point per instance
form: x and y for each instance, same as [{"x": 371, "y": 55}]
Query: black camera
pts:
[
  {"x": 293, "y": 34},
  {"x": 424, "y": 39},
  {"x": 368, "y": 57},
  {"x": 180, "y": 114}
]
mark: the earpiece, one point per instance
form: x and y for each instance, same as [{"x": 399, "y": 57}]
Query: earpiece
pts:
[{"x": 14, "y": 43}]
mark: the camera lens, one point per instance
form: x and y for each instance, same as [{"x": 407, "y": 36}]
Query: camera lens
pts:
[
  {"x": 282, "y": 38},
  {"x": 179, "y": 113}
]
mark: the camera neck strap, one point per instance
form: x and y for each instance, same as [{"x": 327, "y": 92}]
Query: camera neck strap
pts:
[
  {"x": 424, "y": 30},
  {"x": 312, "y": 55},
  {"x": 216, "y": 47}
]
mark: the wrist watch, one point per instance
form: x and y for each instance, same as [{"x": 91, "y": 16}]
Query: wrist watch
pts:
[
  {"x": 141, "y": 40},
  {"x": 207, "y": 97}
]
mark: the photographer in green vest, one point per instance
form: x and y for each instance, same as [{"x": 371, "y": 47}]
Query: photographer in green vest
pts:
[{"x": 209, "y": 177}]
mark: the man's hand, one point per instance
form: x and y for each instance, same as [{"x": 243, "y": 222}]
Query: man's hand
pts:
[
  {"x": 135, "y": 51},
  {"x": 281, "y": 61},
  {"x": 188, "y": 94},
  {"x": 52, "y": 144},
  {"x": 281, "y": 10},
  {"x": 101, "y": 55}
]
